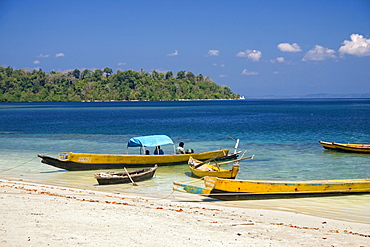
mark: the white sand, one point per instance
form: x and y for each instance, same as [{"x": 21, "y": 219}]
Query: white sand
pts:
[{"x": 43, "y": 215}]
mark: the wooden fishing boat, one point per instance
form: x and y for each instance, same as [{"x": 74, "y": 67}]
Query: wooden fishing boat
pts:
[
  {"x": 260, "y": 189},
  {"x": 87, "y": 161},
  {"x": 205, "y": 168},
  {"x": 350, "y": 147},
  {"x": 201, "y": 169},
  {"x": 105, "y": 178}
]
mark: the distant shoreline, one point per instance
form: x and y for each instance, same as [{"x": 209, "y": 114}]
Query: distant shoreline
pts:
[
  {"x": 188, "y": 100},
  {"x": 314, "y": 96}
]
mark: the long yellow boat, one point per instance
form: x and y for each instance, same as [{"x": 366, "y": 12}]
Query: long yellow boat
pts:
[
  {"x": 350, "y": 147},
  {"x": 259, "y": 189},
  {"x": 86, "y": 161}
]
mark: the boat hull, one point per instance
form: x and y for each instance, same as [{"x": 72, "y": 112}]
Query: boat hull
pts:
[
  {"x": 213, "y": 172},
  {"x": 120, "y": 178},
  {"x": 289, "y": 187},
  {"x": 79, "y": 161},
  {"x": 353, "y": 148},
  {"x": 225, "y": 189},
  {"x": 327, "y": 145}
]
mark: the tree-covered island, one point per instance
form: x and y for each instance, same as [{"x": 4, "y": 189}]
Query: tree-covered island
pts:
[{"x": 104, "y": 85}]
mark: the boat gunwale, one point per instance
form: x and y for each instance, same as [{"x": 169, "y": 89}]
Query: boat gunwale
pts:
[
  {"x": 67, "y": 164},
  {"x": 305, "y": 182}
]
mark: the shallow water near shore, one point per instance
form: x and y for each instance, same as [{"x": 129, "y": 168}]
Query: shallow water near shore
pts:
[{"x": 282, "y": 134}]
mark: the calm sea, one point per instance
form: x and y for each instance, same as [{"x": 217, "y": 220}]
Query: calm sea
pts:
[{"x": 282, "y": 134}]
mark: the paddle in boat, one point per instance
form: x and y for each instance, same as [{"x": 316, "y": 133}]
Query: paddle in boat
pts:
[
  {"x": 350, "y": 147},
  {"x": 228, "y": 189},
  {"x": 105, "y": 178},
  {"x": 205, "y": 168},
  {"x": 87, "y": 161}
]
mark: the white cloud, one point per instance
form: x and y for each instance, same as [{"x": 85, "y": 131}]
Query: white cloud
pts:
[
  {"x": 253, "y": 55},
  {"x": 276, "y": 72},
  {"x": 278, "y": 59},
  {"x": 286, "y": 47},
  {"x": 213, "y": 53},
  {"x": 59, "y": 54},
  {"x": 120, "y": 64},
  {"x": 42, "y": 55},
  {"x": 358, "y": 46},
  {"x": 222, "y": 76},
  {"x": 319, "y": 53},
  {"x": 36, "y": 62},
  {"x": 246, "y": 72},
  {"x": 174, "y": 54}
]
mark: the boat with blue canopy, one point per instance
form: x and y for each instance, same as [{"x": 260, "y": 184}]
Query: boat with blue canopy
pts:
[
  {"x": 89, "y": 161},
  {"x": 149, "y": 141}
]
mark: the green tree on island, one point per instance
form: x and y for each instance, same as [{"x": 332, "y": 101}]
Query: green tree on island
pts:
[{"x": 39, "y": 86}]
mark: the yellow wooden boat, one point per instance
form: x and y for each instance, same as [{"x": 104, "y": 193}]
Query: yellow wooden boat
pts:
[
  {"x": 202, "y": 169},
  {"x": 86, "y": 161},
  {"x": 350, "y": 147},
  {"x": 256, "y": 189}
]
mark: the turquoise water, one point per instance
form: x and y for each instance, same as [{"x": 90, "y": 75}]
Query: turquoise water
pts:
[{"x": 282, "y": 134}]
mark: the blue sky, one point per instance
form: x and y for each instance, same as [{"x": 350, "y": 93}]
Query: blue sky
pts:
[{"x": 257, "y": 48}]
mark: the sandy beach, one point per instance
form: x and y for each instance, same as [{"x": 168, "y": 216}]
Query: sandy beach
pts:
[{"x": 44, "y": 215}]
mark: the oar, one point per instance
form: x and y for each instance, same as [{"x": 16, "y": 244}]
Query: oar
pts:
[
  {"x": 207, "y": 161},
  {"x": 213, "y": 158},
  {"x": 237, "y": 160},
  {"x": 243, "y": 154},
  {"x": 132, "y": 181}
]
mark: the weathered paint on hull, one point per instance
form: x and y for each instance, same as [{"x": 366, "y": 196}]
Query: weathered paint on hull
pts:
[
  {"x": 192, "y": 189},
  {"x": 289, "y": 187},
  {"x": 78, "y": 162}
]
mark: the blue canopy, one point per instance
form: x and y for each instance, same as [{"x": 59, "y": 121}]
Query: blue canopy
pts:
[{"x": 149, "y": 141}]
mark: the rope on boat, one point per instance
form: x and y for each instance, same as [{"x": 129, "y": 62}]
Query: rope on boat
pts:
[
  {"x": 18, "y": 165},
  {"x": 167, "y": 195},
  {"x": 170, "y": 194}
]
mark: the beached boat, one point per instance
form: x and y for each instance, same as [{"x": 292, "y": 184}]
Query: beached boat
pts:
[
  {"x": 350, "y": 147},
  {"x": 87, "y": 161},
  {"x": 201, "y": 169},
  {"x": 260, "y": 189},
  {"x": 105, "y": 178}
]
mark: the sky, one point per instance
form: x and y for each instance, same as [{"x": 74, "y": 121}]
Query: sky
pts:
[{"x": 257, "y": 48}]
